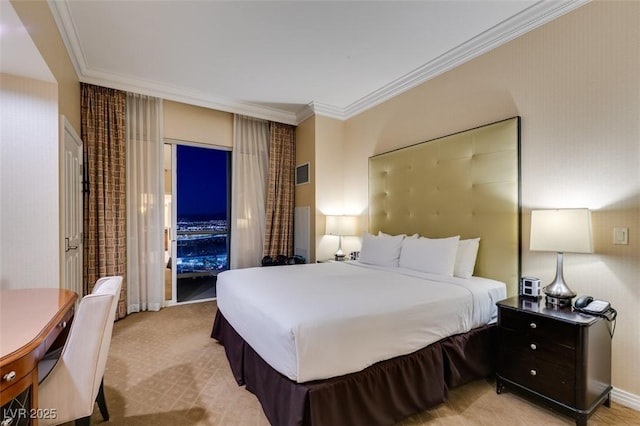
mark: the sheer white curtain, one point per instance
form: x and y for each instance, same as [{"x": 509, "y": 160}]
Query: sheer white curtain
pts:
[
  {"x": 145, "y": 204},
  {"x": 249, "y": 177}
]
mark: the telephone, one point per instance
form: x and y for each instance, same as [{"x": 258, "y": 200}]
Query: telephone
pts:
[{"x": 587, "y": 305}]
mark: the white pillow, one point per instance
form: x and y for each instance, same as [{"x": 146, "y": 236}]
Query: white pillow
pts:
[
  {"x": 432, "y": 255},
  {"x": 382, "y": 251},
  {"x": 466, "y": 257},
  {"x": 382, "y": 234}
]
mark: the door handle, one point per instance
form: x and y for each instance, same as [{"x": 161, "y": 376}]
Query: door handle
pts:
[{"x": 67, "y": 247}]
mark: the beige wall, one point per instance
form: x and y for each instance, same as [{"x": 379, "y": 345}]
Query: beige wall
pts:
[
  {"x": 321, "y": 141},
  {"x": 36, "y": 17},
  {"x": 197, "y": 124},
  {"x": 576, "y": 84},
  {"x": 38, "y": 21},
  {"x": 305, "y": 195},
  {"x": 29, "y": 205},
  {"x": 330, "y": 166}
]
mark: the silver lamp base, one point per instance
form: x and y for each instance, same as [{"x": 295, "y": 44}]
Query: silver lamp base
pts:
[
  {"x": 558, "y": 302},
  {"x": 558, "y": 293},
  {"x": 339, "y": 254}
]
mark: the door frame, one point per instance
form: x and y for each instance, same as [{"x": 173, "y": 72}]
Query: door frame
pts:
[
  {"x": 173, "y": 237},
  {"x": 67, "y": 131}
]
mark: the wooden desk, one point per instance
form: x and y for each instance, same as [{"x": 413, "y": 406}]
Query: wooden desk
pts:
[{"x": 30, "y": 322}]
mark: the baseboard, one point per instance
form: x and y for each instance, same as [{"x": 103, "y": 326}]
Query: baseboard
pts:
[{"x": 625, "y": 398}]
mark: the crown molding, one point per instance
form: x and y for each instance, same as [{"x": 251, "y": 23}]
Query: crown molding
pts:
[
  {"x": 177, "y": 94},
  {"x": 67, "y": 29},
  {"x": 305, "y": 112},
  {"x": 538, "y": 14},
  {"x": 328, "y": 110},
  {"x": 68, "y": 32}
]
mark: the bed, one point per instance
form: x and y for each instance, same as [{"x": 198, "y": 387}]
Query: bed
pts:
[{"x": 374, "y": 341}]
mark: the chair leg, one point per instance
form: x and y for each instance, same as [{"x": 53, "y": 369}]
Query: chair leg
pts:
[
  {"x": 85, "y": 421},
  {"x": 102, "y": 402}
]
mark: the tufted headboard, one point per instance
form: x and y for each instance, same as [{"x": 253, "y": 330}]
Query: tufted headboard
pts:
[{"x": 465, "y": 184}]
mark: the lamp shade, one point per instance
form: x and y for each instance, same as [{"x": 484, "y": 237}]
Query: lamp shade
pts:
[
  {"x": 341, "y": 225},
  {"x": 562, "y": 231}
]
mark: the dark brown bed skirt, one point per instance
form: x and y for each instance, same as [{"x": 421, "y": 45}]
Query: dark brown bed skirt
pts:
[{"x": 381, "y": 394}]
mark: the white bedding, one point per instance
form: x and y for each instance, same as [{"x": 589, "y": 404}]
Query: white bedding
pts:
[{"x": 324, "y": 320}]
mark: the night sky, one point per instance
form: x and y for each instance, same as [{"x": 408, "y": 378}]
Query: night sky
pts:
[{"x": 202, "y": 181}]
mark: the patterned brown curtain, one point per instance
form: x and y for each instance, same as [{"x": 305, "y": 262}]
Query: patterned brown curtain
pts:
[
  {"x": 103, "y": 120},
  {"x": 279, "y": 217}
]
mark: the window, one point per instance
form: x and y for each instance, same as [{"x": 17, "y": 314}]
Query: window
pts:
[{"x": 201, "y": 235}]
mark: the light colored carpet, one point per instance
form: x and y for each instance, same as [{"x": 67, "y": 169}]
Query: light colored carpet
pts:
[{"x": 164, "y": 369}]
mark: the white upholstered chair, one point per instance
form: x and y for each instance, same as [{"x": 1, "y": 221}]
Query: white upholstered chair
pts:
[{"x": 76, "y": 380}]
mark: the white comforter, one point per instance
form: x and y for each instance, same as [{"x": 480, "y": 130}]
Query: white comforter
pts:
[{"x": 323, "y": 320}]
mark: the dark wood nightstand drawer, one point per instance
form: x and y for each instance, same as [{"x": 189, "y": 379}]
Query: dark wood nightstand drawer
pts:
[
  {"x": 539, "y": 328},
  {"x": 527, "y": 347},
  {"x": 541, "y": 376}
]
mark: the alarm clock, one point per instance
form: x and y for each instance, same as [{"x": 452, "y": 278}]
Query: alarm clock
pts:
[{"x": 530, "y": 287}]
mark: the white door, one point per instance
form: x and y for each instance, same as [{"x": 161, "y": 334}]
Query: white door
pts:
[{"x": 72, "y": 208}]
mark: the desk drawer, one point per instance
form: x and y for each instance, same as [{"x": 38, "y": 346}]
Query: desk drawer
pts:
[
  {"x": 58, "y": 335},
  {"x": 14, "y": 371},
  {"x": 539, "y": 328},
  {"x": 12, "y": 378}
]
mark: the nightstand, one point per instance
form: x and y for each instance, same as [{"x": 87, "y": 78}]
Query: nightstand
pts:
[{"x": 559, "y": 357}]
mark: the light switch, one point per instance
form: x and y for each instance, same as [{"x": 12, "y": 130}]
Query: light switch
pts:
[{"x": 620, "y": 235}]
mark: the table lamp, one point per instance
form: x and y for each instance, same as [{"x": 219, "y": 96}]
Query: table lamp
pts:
[
  {"x": 562, "y": 231},
  {"x": 341, "y": 226}
]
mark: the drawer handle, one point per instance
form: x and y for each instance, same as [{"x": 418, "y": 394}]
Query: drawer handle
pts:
[
  {"x": 533, "y": 346},
  {"x": 533, "y": 372},
  {"x": 10, "y": 376},
  {"x": 533, "y": 325}
]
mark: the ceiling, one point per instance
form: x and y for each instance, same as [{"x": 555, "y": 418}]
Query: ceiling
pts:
[{"x": 285, "y": 60}]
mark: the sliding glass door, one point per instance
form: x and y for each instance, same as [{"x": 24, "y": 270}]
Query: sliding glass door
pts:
[{"x": 197, "y": 234}]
